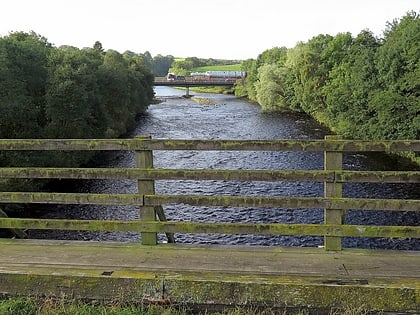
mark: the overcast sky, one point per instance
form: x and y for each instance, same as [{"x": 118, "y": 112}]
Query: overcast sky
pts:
[{"x": 226, "y": 29}]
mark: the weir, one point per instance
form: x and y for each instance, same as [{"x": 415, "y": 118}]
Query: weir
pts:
[{"x": 324, "y": 277}]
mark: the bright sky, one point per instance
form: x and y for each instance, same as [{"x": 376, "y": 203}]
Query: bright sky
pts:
[{"x": 225, "y": 29}]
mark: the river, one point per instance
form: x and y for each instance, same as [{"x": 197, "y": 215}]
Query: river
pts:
[{"x": 228, "y": 117}]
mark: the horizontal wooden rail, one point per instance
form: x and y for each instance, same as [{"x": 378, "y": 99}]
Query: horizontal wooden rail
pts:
[
  {"x": 150, "y": 204},
  {"x": 200, "y": 174},
  {"x": 286, "y": 202},
  {"x": 71, "y": 198},
  {"x": 208, "y": 145},
  {"x": 212, "y": 201},
  {"x": 215, "y": 228}
]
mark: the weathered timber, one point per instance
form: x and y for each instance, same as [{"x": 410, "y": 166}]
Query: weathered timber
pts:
[
  {"x": 283, "y": 145},
  {"x": 71, "y": 198},
  {"x": 377, "y": 176},
  {"x": 224, "y": 201},
  {"x": 376, "y": 280},
  {"x": 332, "y": 176},
  {"x": 371, "y": 280},
  {"x": 69, "y": 144},
  {"x": 18, "y": 233},
  {"x": 162, "y": 217},
  {"x": 333, "y": 160},
  {"x": 209, "y": 145},
  {"x": 144, "y": 160},
  {"x": 171, "y": 174},
  {"x": 286, "y": 202},
  {"x": 215, "y": 228},
  {"x": 199, "y": 174}
]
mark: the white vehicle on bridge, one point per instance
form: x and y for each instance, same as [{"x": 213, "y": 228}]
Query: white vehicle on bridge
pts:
[
  {"x": 171, "y": 76},
  {"x": 174, "y": 77}
]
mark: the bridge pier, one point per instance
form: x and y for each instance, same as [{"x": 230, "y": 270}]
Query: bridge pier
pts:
[{"x": 187, "y": 91}]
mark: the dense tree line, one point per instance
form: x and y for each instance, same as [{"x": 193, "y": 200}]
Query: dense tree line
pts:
[
  {"x": 159, "y": 65},
  {"x": 361, "y": 87},
  {"x": 66, "y": 92}
]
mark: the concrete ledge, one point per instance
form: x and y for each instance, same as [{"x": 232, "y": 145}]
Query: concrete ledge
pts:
[{"x": 280, "y": 277}]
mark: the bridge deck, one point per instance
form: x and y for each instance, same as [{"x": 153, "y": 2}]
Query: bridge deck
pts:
[{"x": 375, "y": 279}]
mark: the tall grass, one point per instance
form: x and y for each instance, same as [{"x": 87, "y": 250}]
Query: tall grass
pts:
[
  {"x": 48, "y": 306},
  {"x": 27, "y": 306}
]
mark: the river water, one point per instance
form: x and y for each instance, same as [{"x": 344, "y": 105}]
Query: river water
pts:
[{"x": 228, "y": 117}]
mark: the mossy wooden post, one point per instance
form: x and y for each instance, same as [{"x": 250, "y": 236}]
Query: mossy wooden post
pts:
[
  {"x": 17, "y": 232},
  {"x": 333, "y": 161},
  {"x": 144, "y": 159}
]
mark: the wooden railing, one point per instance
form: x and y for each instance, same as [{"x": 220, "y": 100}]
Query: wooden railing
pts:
[{"x": 150, "y": 203}]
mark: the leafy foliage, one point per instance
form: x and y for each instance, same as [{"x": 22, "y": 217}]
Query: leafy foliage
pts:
[
  {"x": 398, "y": 64},
  {"x": 361, "y": 87},
  {"x": 274, "y": 88},
  {"x": 66, "y": 92},
  {"x": 158, "y": 65},
  {"x": 23, "y": 75}
]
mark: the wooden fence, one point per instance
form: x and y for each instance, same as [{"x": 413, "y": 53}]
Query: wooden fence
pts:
[{"x": 333, "y": 176}]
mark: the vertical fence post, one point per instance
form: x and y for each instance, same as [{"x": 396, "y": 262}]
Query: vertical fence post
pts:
[
  {"x": 144, "y": 159},
  {"x": 333, "y": 161}
]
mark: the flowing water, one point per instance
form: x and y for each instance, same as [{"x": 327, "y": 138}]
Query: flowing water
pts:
[{"x": 228, "y": 117}]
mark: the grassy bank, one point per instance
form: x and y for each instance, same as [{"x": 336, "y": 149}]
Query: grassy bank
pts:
[
  {"x": 207, "y": 89},
  {"x": 213, "y": 89}
]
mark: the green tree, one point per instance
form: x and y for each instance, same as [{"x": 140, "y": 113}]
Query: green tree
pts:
[
  {"x": 398, "y": 64},
  {"x": 66, "y": 93},
  {"x": 161, "y": 64},
  {"x": 337, "y": 50},
  {"x": 98, "y": 46},
  {"x": 181, "y": 67},
  {"x": 147, "y": 58},
  {"x": 274, "y": 91},
  {"x": 114, "y": 81},
  {"x": 311, "y": 73},
  {"x": 23, "y": 73},
  {"x": 140, "y": 85},
  {"x": 352, "y": 79},
  {"x": 275, "y": 55},
  {"x": 72, "y": 92},
  {"x": 247, "y": 88}
]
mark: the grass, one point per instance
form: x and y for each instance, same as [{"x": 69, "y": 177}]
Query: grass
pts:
[
  {"x": 234, "y": 67},
  {"x": 27, "y": 306},
  {"x": 49, "y": 306}
]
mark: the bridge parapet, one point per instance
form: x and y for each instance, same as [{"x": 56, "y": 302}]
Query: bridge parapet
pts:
[{"x": 150, "y": 203}]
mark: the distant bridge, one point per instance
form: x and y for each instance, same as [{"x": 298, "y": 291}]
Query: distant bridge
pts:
[{"x": 187, "y": 82}]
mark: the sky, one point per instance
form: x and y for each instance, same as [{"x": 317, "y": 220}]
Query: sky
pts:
[{"x": 220, "y": 29}]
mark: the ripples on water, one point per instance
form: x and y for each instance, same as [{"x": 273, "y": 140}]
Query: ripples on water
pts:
[{"x": 232, "y": 118}]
